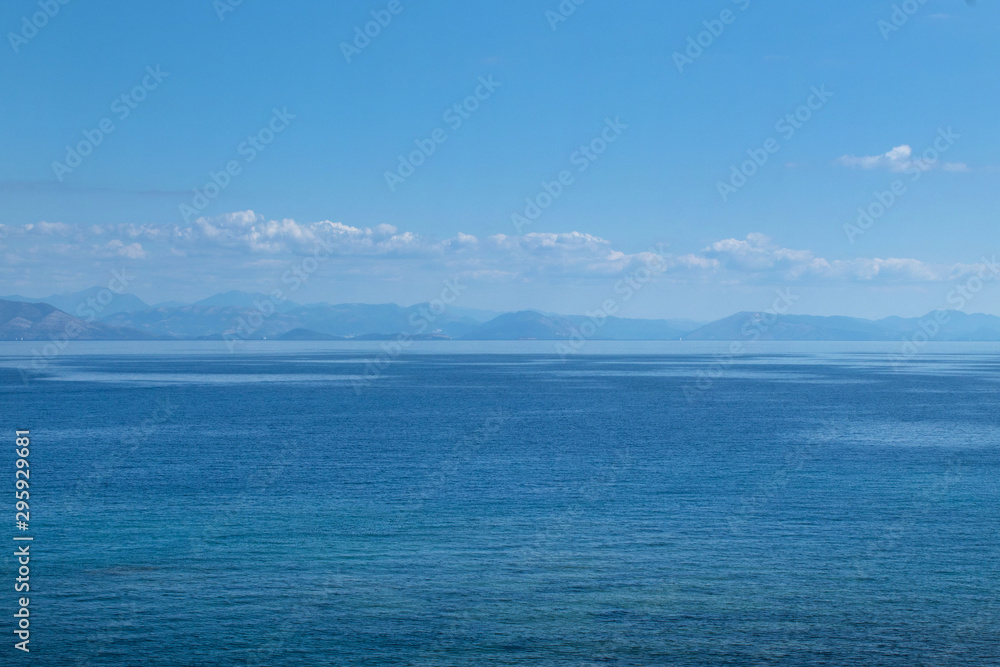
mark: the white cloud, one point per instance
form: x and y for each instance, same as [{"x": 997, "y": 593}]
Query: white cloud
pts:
[
  {"x": 758, "y": 257},
  {"x": 117, "y": 248},
  {"x": 50, "y": 228},
  {"x": 755, "y": 253},
  {"x": 897, "y": 159},
  {"x": 244, "y": 241}
]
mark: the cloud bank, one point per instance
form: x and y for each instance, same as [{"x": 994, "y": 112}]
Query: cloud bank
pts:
[{"x": 245, "y": 241}]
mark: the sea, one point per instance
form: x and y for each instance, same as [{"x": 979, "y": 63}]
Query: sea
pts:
[{"x": 505, "y": 503}]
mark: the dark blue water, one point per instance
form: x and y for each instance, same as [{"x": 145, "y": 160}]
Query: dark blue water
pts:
[{"x": 807, "y": 508}]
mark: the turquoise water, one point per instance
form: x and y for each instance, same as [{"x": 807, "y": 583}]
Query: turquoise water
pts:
[{"x": 645, "y": 503}]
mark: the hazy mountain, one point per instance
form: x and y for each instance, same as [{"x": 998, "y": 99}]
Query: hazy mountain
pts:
[
  {"x": 472, "y": 313},
  {"x": 684, "y": 324},
  {"x": 205, "y": 321},
  {"x": 530, "y": 324},
  {"x": 618, "y": 328},
  {"x": 40, "y": 321},
  {"x": 306, "y": 334},
  {"x": 320, "y": 320},
  {"x": 525, "y": 324},
  {"x": 937, "y": 325},
  {"x": 238, "y": 299},
  {"x": 955, "y": 325},
  {"x": 237, "y": 313},
  {"x": 352, "y": 319},
  {"x": 358, "y": 319},
  {"x": 430, "y": 336},
  {"x": 760, "y": 326},
  {"x": 89, "y": 303}
]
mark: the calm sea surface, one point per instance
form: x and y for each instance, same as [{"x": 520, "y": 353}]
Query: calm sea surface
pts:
[{"x": 472, "y": 504}]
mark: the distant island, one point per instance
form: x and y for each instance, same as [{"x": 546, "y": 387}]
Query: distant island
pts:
[{"x": 87, "y": 316}]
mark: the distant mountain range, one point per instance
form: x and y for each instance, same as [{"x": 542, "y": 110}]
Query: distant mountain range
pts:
[
  {"x": 951, "y": 325},
  {"x": 40, "y": 321},
  {"x": 92, "y": 315},
  {"x": 79, "y": 304},
  {"x": 528, "y": 324}
]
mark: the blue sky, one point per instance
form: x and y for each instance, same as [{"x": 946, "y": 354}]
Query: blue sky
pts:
[{"x": 203, "y": 93}]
